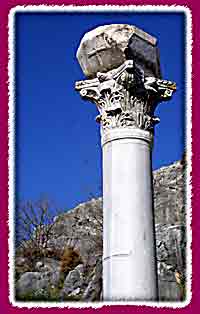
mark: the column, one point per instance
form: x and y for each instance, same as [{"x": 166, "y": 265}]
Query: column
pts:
[{"x": 126, "y": 94}]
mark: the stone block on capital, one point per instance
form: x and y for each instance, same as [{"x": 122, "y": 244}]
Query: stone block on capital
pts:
[{"x": 107, "y": 47}]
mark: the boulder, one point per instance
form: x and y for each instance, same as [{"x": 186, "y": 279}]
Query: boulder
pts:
[
  {"x": 73, "y": 282},
  {"x": 30, "y": 282},
  {"x": 47, "y": 265},
  {"x": 33, "y": 285}
]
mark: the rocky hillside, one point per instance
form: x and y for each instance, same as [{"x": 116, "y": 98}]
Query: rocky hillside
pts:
[{"x": 69, "y": 266}]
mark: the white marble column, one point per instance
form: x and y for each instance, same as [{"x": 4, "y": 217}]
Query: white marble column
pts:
[
  {"x": 129, "y": 261},
  {"x": 126, "y": 94}
]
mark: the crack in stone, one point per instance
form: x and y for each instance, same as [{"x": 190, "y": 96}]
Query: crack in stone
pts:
[{"x": 116, "y": 255}]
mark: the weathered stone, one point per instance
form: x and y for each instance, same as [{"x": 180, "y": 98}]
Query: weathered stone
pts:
[
  {"x": 169, "y": 291},
  {"x": 47, "y": 265},
  {"x": 171, "y": 236},
  {"x": 22, "y": 265},
  {"x": 73, "y": 281},
  {"x": 82, "y": 228},
  {"x": 35, "y": 283},
  {"x": 30, "y": 282},
  {"x": 105, "y": 48},
  {"x": 171, "y": 244},
  {"x": 94, "y": 288},
  {"x": 39, "y": 266},
  {"x": 75, "y": 292},
  {"x": 169, "y": 194},
  {"x": 145, "y": 55}
]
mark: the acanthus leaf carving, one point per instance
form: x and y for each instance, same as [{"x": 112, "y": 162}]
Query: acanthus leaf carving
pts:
[{"x": 125, "y": 98}]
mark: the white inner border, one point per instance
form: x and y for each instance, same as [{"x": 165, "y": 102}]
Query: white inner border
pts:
[{"x": 11, "y": 162}]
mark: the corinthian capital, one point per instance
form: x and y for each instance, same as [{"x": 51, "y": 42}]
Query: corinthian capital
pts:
[{"x": 126, "y": 95}]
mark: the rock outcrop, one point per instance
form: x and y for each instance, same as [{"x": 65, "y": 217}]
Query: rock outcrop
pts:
[
  {"x": 77, "y": 276},
  {"x": 170, "y": 219}
]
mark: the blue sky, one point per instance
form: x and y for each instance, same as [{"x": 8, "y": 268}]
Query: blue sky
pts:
[{"x": 58, "y": 152}]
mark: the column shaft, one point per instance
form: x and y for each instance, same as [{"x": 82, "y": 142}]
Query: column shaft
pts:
[{"x": 129, "y": 261}]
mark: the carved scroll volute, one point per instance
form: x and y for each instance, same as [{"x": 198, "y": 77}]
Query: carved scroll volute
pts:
[{"x": 90, "y": 93}]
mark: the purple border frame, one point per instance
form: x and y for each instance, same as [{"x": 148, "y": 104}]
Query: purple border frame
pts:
[{"x": 6, "y": 307}]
